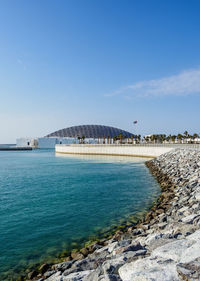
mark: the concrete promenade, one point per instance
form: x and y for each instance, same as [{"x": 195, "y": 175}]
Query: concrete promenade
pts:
[{"x": 150, "y": 151}]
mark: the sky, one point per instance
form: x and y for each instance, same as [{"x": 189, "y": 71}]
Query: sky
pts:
[{"x": 107, "y": 62}]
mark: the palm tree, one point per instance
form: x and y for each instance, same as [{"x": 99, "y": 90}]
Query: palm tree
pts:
[
  {"x": 83, "y": 138},
  {"x": 138, "y": 138},
  {"x": 147, "y": 139},
  {"x": 168, "y": 138},
  {"x": 195, "y": 136},
  {"x": 132, "y": 139},
  {"x": 179, "y": 137},
  {"x": 114, "y": 139},
  {"x": 173, "y": 138},
  {"x": 120, "y": 137},
  {"x": 156, "y": 137},
  {"x": 186, "y": 135},
  {"x": 153, "y": 138},
  {"x": 160, "y": 138},
  {"x": 163, "y": 138}
]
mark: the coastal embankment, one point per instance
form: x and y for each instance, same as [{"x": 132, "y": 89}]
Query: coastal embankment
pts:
[
  {"x": 14, "y": 148},
  {"x": 150, "y": 151},
  {"x": 163, "y": 246}
]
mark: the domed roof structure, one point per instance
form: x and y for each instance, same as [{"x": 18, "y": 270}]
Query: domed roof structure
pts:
[{"x": 90, "y": 131}]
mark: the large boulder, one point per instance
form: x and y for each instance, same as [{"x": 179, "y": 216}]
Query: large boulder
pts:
[
  {"x": 189, "y": 271},
  {"x": 77, "y": 276},
  {"x": 149, "y": 269}
]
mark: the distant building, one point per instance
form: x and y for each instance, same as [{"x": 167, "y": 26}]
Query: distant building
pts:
[
  {"x": 50, "y": 142},
  {"x": 27, "y": 142},
  {"x": 91, "y": 134}
]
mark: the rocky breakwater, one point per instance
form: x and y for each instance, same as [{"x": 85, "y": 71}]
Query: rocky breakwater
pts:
[{"x": 164, "y": 246}]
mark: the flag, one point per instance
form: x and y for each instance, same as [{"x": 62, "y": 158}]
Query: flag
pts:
[{"x": 135, "y": 122}]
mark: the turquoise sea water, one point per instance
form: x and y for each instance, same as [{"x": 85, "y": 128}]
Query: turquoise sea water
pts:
[{"x": 49, "y": 202}]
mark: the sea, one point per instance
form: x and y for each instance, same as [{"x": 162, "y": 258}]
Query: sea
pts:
[{"x": 52, "y": 203}]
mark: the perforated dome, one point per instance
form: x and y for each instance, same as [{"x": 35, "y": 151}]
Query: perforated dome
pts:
[{"x": 90, "y": 131}]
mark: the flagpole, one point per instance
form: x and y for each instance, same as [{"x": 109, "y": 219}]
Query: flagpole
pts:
[{"x": 135, "y": 123}]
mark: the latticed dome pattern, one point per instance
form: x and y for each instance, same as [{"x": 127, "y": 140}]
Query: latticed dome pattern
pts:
[{"x": 90, "y": 131}]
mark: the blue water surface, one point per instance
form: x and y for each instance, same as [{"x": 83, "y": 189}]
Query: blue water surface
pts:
[{"x": 51, "y": 202}]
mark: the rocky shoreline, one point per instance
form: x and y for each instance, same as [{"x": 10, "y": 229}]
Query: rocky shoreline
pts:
[{"x": 164, "y": 246}]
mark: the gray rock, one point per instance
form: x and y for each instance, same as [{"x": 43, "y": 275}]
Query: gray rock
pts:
[
  {"x": 85, "y": 264},
  {"x": 162, "y": 225},
  {"x": 112, "y": 266},
  {"x": 94, "y": 275},
  {"x": 132, "y": 255},
  {"x": 197, "y": 197},
  {"x": 149, "y": 269},
  {"x": 177, "y": 250},
  {"x": 77, "y": 276},
  {"x": 131, "y": 247},
  {"x": 190, "y": 219},
  {"x": 49, "y": 273},
  {"x": 63, "y": 266},
  {"x": 110, "y": 277},
  {"x": 189, "y": 271},
  {"x": 112, "y": 246},
  {"x": 55, "y": 277}
]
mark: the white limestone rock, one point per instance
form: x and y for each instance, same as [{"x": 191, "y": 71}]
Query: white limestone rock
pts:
[
  {"x": 174, "y": 250},
  {"x": 55, "y": 277},
  {"x": 149, "y": 269},
  {"x": 194, "y": 236},
  {"x": 111, "y": 266},
  {"x": 112, "y": 246},
  {"x": 77, "y": 276},
  {"x": 189, "y": 219},
  {"x": 161, "y": 265}
]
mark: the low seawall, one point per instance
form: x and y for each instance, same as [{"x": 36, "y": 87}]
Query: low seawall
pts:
[
  {"x": 15, "y": 148},
  {"x": 109, "y": 149}
]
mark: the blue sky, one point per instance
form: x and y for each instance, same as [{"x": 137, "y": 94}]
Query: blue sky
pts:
[{"x": 72, "y": 62}]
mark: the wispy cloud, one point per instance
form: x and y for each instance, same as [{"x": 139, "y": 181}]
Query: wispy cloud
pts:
[{"x": 182, "y": 84}]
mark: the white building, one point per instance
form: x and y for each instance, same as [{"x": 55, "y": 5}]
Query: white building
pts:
[
  {"x": 27, "y": 142},
  {"x": 50, "y": 142}
]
